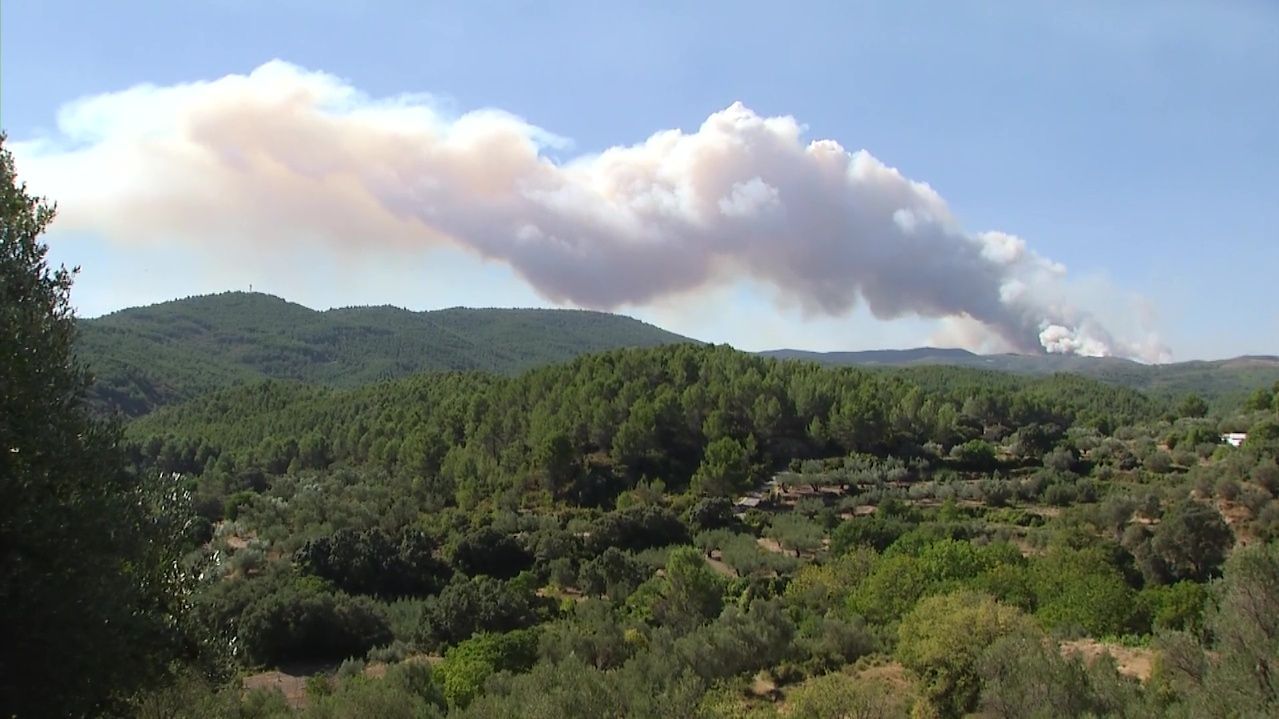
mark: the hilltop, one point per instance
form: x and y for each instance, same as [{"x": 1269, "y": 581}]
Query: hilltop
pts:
[
  {"x": 151, "y": 356},
  {"x": 148, "y": 357}
]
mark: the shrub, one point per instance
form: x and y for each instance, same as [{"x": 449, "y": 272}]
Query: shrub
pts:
[
  {"x": 469, "y": 664},
  {"x": 1190, "y": 542},
  {"x": 834, "y": 695},
  {"x": 407, "y": 691},
  {"x": 819, "y": 588},
  {"x": 1175, "y": 607},
  {"x": 943, "y": 639},
  {"x": 711, "y": 513},
  {"x": 350, "y": 668},
  {"x": 392, "y": 653},
  {"x": 613, "y": 573},
  {"x": 1228, "y": 489},
  {"x": 876, "y": 531},
  {"x": 831, "y": 642},
  {"x": 488, "y": 551},
  {"x": 304, "y": 621},
  {"x": 1060, "y": 494},
  {"x": 374, "y": 562},
  {"x": 893, "y": 587},
  {"x": 739, "y": 641},
  {"x": 997, "y": 492},
  {"x": 1159, "y": 462},
  {"x": 477, "y": 604},
  {"x": 975, "y": 453},
  {"x": 1266, "y": 475},
  {"x": 1083, "y": 588},
  {"x": 637, "y": 528}
]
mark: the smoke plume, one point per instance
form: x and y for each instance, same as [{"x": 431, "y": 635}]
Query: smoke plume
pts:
[{"x": 287, "y": 155}]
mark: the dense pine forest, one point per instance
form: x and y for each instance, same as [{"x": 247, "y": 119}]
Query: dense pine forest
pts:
[
  {"x": 1223, "y": 383},
  {"x": 150, "y": 357},
  {"x": 568, "y": 529},
  {"x": 147, "y": 357},
  {"x": 802, "y": 540}
]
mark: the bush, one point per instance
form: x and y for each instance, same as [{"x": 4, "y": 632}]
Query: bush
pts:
[
  {"x": 469, "y": 664},
  {"x": 1176, "y": 607},
  {"x": 997, "y": 492},
  {"x": 1060, "y": 459},
  {"x": 304, "y": 621},
  {"x": 374, "y": 562},
  {"x": 637, "y": 528},
  {"x": 711, "y": 513},
  {"x": 1266, "y": 475},
  {"x": 975, "y": 453},
  {"x": 835, "y": 695},
  {"x": 875, "y": 531},
  {"x": 1084, "y": 589},
  {"x": 350, "y": 668},
  {"x": 594, "y": 634},
  {"x": 1025, "y": 675},
  {"x": 1228, "y": 489},
  {"x": 488, "y": 551},
  {"x": 1267, "y": 523},
  {"x": 830, "y": 643},
  {"x": 943, "y": 639},
  {"x": 392, "y": 653},
  {"x": 407, "y": 691},
  {"x": 1204, "y": 486},
  {"x": 739, "y": 641},
  {"x": 1185, "y": 457},
  {"x": 613, "y": 573},
  {"x": 1254, "y": 498},
  {"x": 1060, "y": 494},
  {"x": 819, "y": 588},
  {"x": 1190, "y": 542},
  {"x": 893, "y": 587},
  {"x": 1234, "y": 675},
  {"x": 1159, "y": 462},
  {"x": 477, "y": 604}
]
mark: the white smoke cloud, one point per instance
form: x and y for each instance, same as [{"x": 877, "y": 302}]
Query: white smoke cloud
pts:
[
  {"x": 1074, "y": 341},
  {"x": 290, "y": 158}
]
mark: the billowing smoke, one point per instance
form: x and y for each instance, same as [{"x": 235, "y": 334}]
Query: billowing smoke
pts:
[{"x": 248, "y": 161}]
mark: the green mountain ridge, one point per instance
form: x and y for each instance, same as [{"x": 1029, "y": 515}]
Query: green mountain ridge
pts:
[
  {"x": 147, "y": 357},
  {"x": 1225, "y": 380}
]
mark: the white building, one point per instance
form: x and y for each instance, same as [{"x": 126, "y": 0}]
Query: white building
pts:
[{"x": 1234, "y": 439}]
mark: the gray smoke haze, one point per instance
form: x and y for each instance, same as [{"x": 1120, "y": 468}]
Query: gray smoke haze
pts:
[{"x": 244, "y": 160}]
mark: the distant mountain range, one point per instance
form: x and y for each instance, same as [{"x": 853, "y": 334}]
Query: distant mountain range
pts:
[
  {"x": 152, "y": 356},
  {"x": 1214, "y": 380},
  {"x": 146, "y": 357}
]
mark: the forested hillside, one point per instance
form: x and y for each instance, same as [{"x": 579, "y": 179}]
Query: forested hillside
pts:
[
  {"x": 690, "y": 530},
  {"x": 1218, "y": 381},
  {"x": 638, "y": 413},
  {"x": 152, "y": 356},
  {"x": 696, "y": 531},
  {"x": 149, "y": 357}
]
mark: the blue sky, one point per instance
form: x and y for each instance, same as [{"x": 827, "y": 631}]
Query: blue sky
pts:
[{"x": 1134, "y": 143}]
